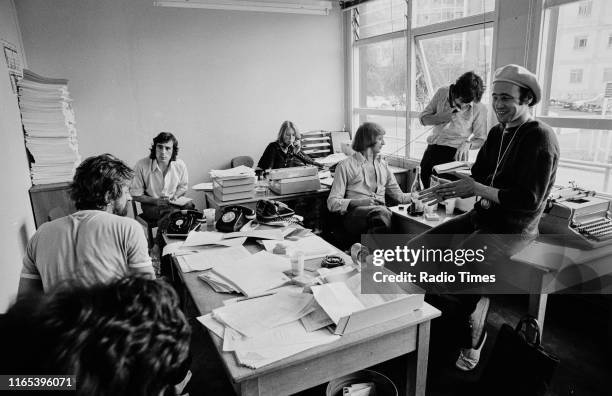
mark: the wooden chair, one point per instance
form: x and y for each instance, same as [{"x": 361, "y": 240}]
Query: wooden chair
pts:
[
  {"x": 148, "y": 223},
  {"x": 242, "y": 160}
]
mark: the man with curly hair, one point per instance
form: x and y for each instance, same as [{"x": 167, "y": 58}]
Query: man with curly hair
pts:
[
  {"x": 127, "y": 337},
  {"x": 95, "y": 244}
]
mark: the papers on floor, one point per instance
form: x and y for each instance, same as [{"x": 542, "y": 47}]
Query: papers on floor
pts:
[
  {"x": 255, "y": 274},
  {"x": 267, "y": 329},
  {"x": 211, "y": 257},
  {"x": 49, "y": 126}
]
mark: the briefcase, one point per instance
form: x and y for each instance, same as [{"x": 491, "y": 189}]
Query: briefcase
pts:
[{"x": 519, "y": 365}]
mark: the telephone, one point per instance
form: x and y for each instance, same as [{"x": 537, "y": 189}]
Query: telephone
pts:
[
  {"x": 234, "y": 217},
  {"x": 183, "y": 221}
]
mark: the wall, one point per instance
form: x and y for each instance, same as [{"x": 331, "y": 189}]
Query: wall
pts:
[
  {"x": 16, "y": 222},
  {"x": 222, "y": 81}
]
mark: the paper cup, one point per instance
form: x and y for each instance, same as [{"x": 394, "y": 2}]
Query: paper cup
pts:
[
  {"x": 450, "y": 206},
  {"x": 297, "y": 263}
]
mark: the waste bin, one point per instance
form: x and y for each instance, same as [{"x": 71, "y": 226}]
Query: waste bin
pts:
[{"x": 384, "y": 386}]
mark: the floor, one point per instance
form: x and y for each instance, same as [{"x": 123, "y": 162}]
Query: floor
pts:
[{"x": 578, "y": 330}]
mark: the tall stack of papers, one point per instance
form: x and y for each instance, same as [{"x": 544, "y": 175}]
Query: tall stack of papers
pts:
[
  {"x": 232, "y": 184},
  {"x": 49, "y": 126}
]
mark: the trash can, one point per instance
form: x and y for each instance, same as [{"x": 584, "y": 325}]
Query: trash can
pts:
[{"x": 384, "y": 386}]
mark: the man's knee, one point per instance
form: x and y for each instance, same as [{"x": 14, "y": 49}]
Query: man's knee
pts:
[{"x": 380, "y": 215}]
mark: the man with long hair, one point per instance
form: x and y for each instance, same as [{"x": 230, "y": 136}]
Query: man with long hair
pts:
[
  {"x": 95, "y": 244},
  {"x": 361, "y": 182},
  {"x": 127, "y": 337}
]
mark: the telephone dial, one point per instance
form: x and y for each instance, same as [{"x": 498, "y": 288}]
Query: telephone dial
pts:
[
  {"x": 183, "y": 221},
  {"x": 234, "y": 217}
]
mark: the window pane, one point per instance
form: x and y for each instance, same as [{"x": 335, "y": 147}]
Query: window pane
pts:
[
  {"x": 585, "y": 157},
  {"x": 441, "y": 60},
  {"x": 382, "y": 76},
  {"x": 578, "y": 62},
  {"x": 427, "y": 12},
  {"x": 380, "y": 17},
  {"x": 395, "y": 138}
]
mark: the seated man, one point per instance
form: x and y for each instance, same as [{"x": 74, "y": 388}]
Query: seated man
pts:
[
  {"x": 361, "y": 182},
  {"x": 160, "y": 178},
  {"x": 95, "y": 244},
  {"x": 127, "y": 337}
]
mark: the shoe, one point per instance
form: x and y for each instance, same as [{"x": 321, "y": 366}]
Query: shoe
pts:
[
  {"x": 478, "y": 319},
  {"x": 469, "y": 357},
  {"x": 359, "y": 254}
]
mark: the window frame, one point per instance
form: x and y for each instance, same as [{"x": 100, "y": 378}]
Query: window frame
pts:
[{"x": 354, "y": 112}]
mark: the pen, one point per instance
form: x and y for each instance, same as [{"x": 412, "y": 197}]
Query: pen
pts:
[{"x": 255, "y": 296}]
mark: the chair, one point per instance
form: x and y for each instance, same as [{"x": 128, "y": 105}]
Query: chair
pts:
[
  {"x": 242, "y": 160},
  {"x": 142, "y": 219}
]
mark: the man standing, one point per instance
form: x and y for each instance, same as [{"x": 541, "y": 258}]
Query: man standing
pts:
[
  {"x": 459, "y": 123},
  {"x": 95, "y": 244},
  {"x": 160, "y": 178},
  {"x": 361, "y": 182},
  {"x": 513, "y": 174}
]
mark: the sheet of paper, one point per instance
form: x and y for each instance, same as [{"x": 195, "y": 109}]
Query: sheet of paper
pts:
[
  {"x": 312, "y": 246},
  {"x": 212, "y": 324},
  {"x": 206, "y": 186},
  {"x": 212, "y": 257},
  {"x": 255, "y": 316},
  {"x": 199, "y": 238},
  {"x": 336, "y": 300},
  {"x": 274, "y": 234},
  {"x": 316, "y": 320},
  {"x": 232, "y": 172},
  {"x": 257, "y": 273}
]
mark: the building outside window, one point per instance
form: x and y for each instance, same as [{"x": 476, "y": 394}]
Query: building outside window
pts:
[
  {"x": 580, "y": 42},
  {"x": 584, "y": 8},
  {"x": 577, "y": 107}
]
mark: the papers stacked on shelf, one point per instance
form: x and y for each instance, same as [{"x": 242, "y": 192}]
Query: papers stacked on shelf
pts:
[
  {"x": 50, "y": 128},
  {"x": 233, "y": 184},
  {"x": 267, "y": 329}
]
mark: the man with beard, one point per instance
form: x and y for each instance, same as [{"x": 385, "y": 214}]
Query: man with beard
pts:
[{"x": 95, "y": 244}]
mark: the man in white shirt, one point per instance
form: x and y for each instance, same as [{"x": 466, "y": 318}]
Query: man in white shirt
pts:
[
  {"x": 94, "y": 245},
  {"x": 459, "y": 123},
  {"x": 160, "y": 178}
]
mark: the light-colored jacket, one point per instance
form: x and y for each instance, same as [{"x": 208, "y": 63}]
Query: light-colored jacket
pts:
[{"x": 350, "y": 183}]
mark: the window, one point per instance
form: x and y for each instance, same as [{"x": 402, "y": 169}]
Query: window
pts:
[
  {"x": 580, "y": 42},
  {"x": 397, "y": 68},
  {"x": 576, "y": 76},
  {"x": 576, "y": 107},
  {"x": 584, "y": 8},
  {"x": 607, "y": 74}
]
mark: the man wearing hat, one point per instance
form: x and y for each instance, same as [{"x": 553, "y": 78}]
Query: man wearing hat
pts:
[{"x": 513, "y": 174}]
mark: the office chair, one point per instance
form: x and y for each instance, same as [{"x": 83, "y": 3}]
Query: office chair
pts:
[
  {"x": 242, "y": 160},
  {"x": 142, "y": 219}
]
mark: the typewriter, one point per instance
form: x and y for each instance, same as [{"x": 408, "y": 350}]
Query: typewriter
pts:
[{"x": 579, "y": 216}]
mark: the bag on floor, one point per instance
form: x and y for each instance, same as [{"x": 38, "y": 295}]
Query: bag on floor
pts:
[{"x": 518, "y": 364}]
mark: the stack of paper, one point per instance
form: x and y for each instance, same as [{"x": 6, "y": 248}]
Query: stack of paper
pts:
[
  {"x": 267, "y": 329},
  {"x": 50, "y": 128},
  {"x": 451, "y": 166},
  {"x": 232, "y": 184},
  {"x": 255, "y": 274}
]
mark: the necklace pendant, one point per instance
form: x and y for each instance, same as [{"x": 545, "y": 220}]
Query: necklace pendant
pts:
[{"x": 485, "y": 203}]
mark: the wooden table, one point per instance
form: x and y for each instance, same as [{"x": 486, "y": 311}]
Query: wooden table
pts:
[
  {"x": 321, "y": 364},
  {"x": 542, "y": 276}
]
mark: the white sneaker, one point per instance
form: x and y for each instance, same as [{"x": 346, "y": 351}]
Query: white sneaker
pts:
[{"x": 469, "y": 357}]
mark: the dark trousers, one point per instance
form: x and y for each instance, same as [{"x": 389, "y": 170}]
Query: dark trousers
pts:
[
  {"x": 374, "y": 219},
  {"x": 435, "y": 155}
]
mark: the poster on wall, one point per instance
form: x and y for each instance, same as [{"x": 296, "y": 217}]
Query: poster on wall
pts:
[{"x": 13, "y": 63}]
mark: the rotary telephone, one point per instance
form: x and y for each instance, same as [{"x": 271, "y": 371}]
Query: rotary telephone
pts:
[
  {"x": 234, "y": 217},
  {"x": 183, "y": 221}
]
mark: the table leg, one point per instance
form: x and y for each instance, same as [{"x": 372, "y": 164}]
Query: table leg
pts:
[
  {"x": 417, "y": 376},
  {"x": 537, "y": 308}
]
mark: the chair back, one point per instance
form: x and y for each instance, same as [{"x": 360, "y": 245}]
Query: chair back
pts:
[{"x": 242, "y": 160}]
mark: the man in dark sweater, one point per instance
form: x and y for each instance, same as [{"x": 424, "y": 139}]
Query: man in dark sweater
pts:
[{"x": 513, "y": 174}]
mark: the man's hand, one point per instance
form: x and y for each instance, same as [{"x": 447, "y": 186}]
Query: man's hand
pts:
[
  {"x": 371, "y": 201},
  {"x": 462, "y": 188},
  {"x": 463, "y": 152}
]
